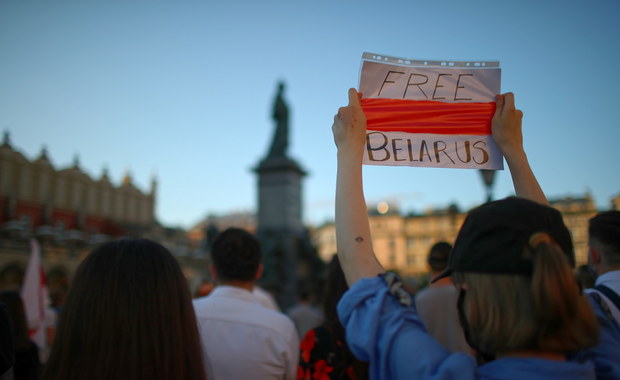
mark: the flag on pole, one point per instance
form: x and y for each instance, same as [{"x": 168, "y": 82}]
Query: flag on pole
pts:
[
  {"x": 429, "y": 113},
  {"x": 34, "y": 295}
]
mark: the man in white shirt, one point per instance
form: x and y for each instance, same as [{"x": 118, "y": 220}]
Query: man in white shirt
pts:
[
  {"x": 604, "y": 257},
  {"x": 265, "y": 298},
  {"x": 241, "y": 338}
]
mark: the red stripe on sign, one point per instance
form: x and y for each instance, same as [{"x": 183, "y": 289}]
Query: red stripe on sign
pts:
[{"x": 425, "y": 116}]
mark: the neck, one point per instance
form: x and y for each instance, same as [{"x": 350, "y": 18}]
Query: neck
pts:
[
  {"x": 549, "y": 355},
  {"x": 442, "y": 281},
  {"x": 610, "y": 268},
  {"x": 247, "y": 285}
]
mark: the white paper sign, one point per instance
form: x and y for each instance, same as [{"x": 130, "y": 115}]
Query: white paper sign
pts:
[{"x": 429, "y": 113}]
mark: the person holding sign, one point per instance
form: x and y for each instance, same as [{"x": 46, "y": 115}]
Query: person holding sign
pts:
[{"x": 512, "y": 256}]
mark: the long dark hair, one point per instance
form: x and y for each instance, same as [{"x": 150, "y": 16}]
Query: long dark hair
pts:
[
  {"x": 335, "y": 287},
  {"x": 15, "y": 307},
  {"x": 128, "y": 315}
]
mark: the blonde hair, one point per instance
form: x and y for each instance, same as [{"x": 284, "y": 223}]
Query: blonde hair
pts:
[{"x": 544, "y": 312}]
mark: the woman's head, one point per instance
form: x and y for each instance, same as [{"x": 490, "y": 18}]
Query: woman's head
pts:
[
  {"x": 513, "y": 260},
  {"x": 128, "y": 314},
  {"x": 542, "y": 312}
]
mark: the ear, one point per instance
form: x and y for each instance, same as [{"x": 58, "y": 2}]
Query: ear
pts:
[
  {"x": 594, "y": 256},
  {"x": 259, "y": 272},
  {"x": 213, "y": 272}
]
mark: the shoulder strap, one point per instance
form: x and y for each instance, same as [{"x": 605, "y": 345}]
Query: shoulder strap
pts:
[{"x": 613, "y": 296}]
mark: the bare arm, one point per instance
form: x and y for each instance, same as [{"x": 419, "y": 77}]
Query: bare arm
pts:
[
  {"x": 506, "y": 127},
  {"x": 353, "y": 239}
]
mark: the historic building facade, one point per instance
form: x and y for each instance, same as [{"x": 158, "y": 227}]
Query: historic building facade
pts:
[
  {"x": 615, "y": 202},
  {"x": 35, "y": 195},
  {"x": 401, "y": 242},
  {"x": 68, "y": 213}
]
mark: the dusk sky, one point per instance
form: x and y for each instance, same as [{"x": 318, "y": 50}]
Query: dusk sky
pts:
[{"x": 183, "y": 91}]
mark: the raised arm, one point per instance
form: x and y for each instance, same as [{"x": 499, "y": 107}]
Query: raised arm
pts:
[
  {"x": 353, "y": 239},
  {"x": 506, "y": 128}
]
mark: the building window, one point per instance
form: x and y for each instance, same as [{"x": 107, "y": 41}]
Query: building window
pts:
[{"x": 411, "y": 260}]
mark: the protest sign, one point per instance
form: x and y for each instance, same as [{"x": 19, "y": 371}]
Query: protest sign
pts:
[{"x": 429, "y": 113}]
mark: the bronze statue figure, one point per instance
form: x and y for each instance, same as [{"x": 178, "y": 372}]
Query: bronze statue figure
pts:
[{"x": 280, "y": 115}]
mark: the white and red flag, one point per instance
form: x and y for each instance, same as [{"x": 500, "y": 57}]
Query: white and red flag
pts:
[
  {"x": 34, "y": 295},
  {"x": 430, "y": 113}
]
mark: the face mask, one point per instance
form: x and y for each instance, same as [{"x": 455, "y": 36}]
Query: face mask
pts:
[{"x": 481, "y": 356}]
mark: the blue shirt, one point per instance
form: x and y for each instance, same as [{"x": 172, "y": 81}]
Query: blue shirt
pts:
[
  {"x": 390, "y": 335},
  {"x": 606, "y": 355}
]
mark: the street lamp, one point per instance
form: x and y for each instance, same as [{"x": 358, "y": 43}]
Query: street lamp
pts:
[{"x": 487, "y": 177}]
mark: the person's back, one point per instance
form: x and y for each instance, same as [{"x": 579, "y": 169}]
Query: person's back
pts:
[
  {"x": 604, "y": 260},
  {"x": 265, "y": 298},
  {"x": 521, "y": 309},
  {"x": 436, "y": 304},
  {"x": 304, "y": 315},
  {"x": 242, "y": 338}
]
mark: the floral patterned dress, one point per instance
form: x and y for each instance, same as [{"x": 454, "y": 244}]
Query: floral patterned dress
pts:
[{"x": 325, "y": 356}]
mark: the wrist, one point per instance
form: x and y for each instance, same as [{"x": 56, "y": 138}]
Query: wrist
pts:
[
  {"x": 516, "y": 159},
  {"x": 514, "y": 154},
  {"x": 350, "y": 154}
]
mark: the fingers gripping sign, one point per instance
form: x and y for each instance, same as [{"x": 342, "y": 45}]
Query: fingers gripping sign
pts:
[
  {"x": 506, "y": 124},
  {"x": 349, "y": 126}
]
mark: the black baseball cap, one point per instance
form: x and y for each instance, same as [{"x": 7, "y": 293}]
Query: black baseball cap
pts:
[{"x": 494, "y": 235}]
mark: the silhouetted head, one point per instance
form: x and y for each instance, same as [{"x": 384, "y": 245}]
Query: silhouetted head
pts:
[
  {"x": 604, "y": 236},
  {"x": 439, "y": 256},
  {"x": 236, "y": 255}
]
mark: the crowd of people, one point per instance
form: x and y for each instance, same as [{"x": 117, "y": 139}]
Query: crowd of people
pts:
[{"x": 505, "y": 301}]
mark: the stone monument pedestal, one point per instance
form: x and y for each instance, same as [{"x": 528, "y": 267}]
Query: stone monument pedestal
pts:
[
  {"x": 279, "y": 194},
  {"x": 280, "y": 226}
]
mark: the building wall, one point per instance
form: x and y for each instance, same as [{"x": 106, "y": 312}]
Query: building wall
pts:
[
  {"x": 69, "y": 212},
  {"x": 615, "y": 203},
  {"x": 576, "y": 213},
  {"x": 34, "y": 193},
  {"x": 403, "y": 242}
]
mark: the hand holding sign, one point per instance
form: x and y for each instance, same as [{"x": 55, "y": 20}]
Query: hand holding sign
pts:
[
  {"x": 506, "y": 125},
  {"x": 349, "y": 126}
]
